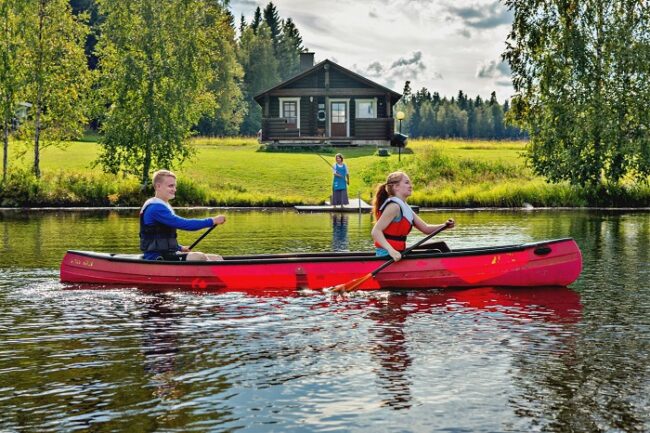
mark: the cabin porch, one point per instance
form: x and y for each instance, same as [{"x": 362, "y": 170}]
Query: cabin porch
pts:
[{"x": 279, "y": 130}]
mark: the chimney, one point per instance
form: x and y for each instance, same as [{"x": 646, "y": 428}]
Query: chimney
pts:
[{"x": 306, "y": 61}]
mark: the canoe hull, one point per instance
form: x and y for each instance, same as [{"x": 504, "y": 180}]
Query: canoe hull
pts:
[{"x": 548, "y": 263}]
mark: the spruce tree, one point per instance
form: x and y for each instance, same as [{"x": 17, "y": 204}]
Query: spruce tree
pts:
[
  {"x": 289, "y": 48},
  {"x": 257, "y": 19},
  {"x": 272, "y": 20}
]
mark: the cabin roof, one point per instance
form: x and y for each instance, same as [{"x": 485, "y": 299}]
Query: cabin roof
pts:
[{"x": 394, "y": 95}]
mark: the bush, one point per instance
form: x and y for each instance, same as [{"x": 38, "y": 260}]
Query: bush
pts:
[{"x": 20, "y": 188}]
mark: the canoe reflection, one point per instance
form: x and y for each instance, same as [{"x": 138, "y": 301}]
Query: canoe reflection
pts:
[
  {"x": 391, "y": 317},
  {"x": 389, "y": 312},
  {"x": 390, "y": 344}
]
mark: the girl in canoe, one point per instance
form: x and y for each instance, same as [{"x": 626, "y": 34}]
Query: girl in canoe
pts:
[{"x": 395, "y": 218}]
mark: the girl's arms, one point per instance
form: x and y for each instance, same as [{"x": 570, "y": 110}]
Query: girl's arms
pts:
[
  {"x": 391, "y": 211},
  {"x": 430, "y": 228}
]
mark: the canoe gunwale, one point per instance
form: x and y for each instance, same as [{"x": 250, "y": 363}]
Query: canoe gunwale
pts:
[{"x": 317, "y": 256}]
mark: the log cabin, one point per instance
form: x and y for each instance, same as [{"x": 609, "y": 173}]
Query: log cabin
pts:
[{"x": 327, "y": 104}]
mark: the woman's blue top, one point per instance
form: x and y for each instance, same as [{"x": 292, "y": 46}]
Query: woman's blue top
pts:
[{"x": 339, "y": 181}]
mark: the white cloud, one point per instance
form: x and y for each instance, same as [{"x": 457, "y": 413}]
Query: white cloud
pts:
[
  {"x": 434, "y": 43},
  {"x": 394, "y": 73},
  {"x": 493, "y": 69},
  {"x": 483, "y": 16}
]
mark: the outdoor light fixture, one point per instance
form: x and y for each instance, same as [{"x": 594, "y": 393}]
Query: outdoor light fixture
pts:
[{"x": 402, "y": 139}]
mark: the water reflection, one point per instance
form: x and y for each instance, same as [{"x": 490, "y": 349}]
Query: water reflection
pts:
[
  {"x": 340, "y": 232},
  {"x": 391, "y": 354},
  {"x": 160, "y": 345},
  {"x": 520, "y": 307},
  {"x": 487, "y": 359}
]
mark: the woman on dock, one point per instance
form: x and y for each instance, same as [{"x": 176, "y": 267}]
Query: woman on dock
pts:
[
  {"x": 340, "y": 182},
  {"x": 395, "y": 218}
]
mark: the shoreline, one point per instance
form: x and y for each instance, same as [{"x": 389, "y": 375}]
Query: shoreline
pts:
[{"x": 284, "y": 208}]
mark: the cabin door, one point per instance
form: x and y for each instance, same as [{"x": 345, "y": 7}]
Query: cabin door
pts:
[{"x": 339, "y": 118}]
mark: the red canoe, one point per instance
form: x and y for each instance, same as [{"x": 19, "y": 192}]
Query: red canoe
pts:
[{"x": 548, "y": 263}]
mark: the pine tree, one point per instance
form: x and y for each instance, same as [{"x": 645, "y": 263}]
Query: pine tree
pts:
[
  {"x": 257, "y": 19},
  {"x": 289, "y": 48},
  {"x": 260, "y": 65}
]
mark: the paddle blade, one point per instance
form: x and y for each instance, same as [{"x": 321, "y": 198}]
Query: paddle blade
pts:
[{"x": 351, "y": 285}]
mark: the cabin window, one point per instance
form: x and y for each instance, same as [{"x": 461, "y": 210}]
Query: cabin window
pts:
[
  {"x": 290, "y": 110},
  {"x": 338, "y": 112},
  {"x": 366, "y": 108}
]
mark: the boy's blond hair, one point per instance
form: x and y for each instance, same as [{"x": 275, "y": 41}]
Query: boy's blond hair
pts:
[{"x": 160, "y": 175}]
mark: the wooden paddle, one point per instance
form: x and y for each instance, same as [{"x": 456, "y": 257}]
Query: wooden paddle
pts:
[
  {"x": 353, "y": 284},
  {"x": 205, "y": 233}
]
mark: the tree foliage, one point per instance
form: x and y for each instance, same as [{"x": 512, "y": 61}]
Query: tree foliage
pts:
[
  {"x": 258, "y": 59},
  {"x": 11, "y": 69},
  {"x": 288, "y": 50},
  {"x": 159, "y": 62},
  {"x": 269, "y": 52},
  {"x": 57, "y": 78},
  {"x": 429, "y": 115},
  {"x": 227, "y": 82},
  {"x": 581, "y": 73}
]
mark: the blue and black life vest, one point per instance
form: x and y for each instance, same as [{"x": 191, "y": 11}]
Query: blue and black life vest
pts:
[{"x": 157, "y": 237}]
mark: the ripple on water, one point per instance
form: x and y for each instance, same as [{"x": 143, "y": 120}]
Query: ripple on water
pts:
[{"x": 73, "y": 359}]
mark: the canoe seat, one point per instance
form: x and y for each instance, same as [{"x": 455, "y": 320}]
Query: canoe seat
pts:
[{"x": 439, "y": 247}]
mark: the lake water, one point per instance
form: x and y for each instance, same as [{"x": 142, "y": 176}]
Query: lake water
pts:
[{"x": 482, "y": 360}]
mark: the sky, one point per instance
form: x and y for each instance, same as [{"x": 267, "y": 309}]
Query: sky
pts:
[{"x": 443, "y": 45}]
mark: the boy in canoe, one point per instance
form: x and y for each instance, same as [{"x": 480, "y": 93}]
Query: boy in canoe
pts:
[
  {"x": 395, "y": 218},
  {"x": 158, "y": 224}
]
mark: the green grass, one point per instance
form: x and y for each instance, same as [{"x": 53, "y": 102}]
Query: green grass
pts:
[{"x": 238, "y": 171}]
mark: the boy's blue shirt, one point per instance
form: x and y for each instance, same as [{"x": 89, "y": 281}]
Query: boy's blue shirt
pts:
[{"x": 157, "y": 212}]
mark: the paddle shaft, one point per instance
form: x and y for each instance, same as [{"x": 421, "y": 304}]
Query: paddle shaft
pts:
[
  {"x": 409, "y": 249},
  {"x": 201, "y": 237}
]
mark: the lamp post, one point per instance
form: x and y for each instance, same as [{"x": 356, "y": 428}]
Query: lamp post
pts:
[{"x": 400, "y": 116}]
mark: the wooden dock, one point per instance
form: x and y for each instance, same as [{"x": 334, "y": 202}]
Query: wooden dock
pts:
[{"x": 355, "y": 205}]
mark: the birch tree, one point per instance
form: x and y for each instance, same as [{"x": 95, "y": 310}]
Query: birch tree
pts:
[
  {"x": 156, "y": 60},
  {"x": 58, "y": 79},
  {"x": 581, "y": 73},
  {"x": 11, "y": 70}
]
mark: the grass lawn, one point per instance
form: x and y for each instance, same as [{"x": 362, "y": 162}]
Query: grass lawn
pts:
[
  {"x": 239, "y": 172},
  {"x": 239, "y": 165}
]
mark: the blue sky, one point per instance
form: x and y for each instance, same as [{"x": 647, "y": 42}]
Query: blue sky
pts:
[{"x": 442, "y": 45}]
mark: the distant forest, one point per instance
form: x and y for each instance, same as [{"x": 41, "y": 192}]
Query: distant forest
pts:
[
  {"x": 429, "y": 115},
  {"x": 267, "y": 53}
]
